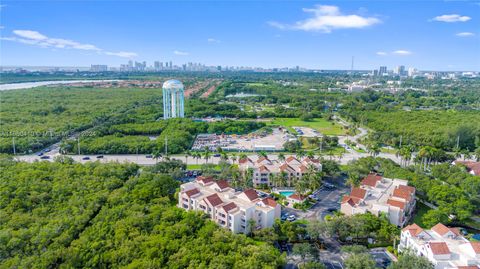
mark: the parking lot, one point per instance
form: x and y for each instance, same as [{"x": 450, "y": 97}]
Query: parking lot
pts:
[
  {"x": 306, "y": 132},
  {"x": 251, "y": 142}
]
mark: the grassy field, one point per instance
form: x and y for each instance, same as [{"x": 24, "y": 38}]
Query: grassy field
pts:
[
  {"x": 322, "y": 125},
  {"x": 199, "y": 166},
  {"x": 421, "y": 209}
]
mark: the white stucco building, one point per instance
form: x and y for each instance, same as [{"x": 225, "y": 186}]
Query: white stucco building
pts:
[
  {"x": 230, "y": 209},
  {"x": 377, "y": 195},
  {"x": 264, "y": 168},
  {"x": 445, "y": 247}
]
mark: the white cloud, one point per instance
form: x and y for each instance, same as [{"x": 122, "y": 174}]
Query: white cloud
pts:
[
  {"x": 35, "y": 38},
  {"x": 213, "y": 40},
  {"x": 381, "y": 53},
  {"x": 325, "y": 19},
  {"x": 123, "y": 54},
  {"x": 452, "y": 18},
  {"x": 402, "y": 52},
  {"x": 465, "y": 34},
  {"x": 2, "y": 27},
  {"x": 181, "y": 53}
]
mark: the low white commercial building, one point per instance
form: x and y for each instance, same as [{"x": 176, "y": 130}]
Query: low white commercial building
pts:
[
  {"x": 377, "y": 194},
  {"x": 445, "y": 247},
  {"x": 234, "y": 210},
  {"x": 264, "y": 169}
]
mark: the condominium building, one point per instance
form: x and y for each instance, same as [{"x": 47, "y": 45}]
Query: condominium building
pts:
[
  {"x": 234, "y": 210},
  {"x": 445, "y": 247},
  {"x": 264, "y": 169},
  {"x": 377, "y": 194}
]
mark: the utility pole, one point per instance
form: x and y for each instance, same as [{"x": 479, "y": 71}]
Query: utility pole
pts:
[
  {"x": 458, "y": 141},
  {"x": 78, "y": 146},
  {"x": 13, "y": 143},
  {"x": 401, "y": 141}
]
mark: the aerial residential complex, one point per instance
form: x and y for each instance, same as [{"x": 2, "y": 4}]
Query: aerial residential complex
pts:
[
  {"x": 377, "y": 194},
  {"x": 445, "y": 247},
  {"x": 231, "y": 209},
  {"x": 264, "y": 169}
]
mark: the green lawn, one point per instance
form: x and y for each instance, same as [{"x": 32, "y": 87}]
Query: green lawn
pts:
[
  {"x": 322, "y": 125},
  {"x": 421, "y": 209},
  {"x": 199, "y": 166}
]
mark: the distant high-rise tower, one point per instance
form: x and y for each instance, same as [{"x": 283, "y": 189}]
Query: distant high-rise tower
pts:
[
  {"x": 382, "y": 71},
  {"x": 173, "y": 102}
]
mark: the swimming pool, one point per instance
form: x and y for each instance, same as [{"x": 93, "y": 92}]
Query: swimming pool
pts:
[{"x": 286, "y": 193}]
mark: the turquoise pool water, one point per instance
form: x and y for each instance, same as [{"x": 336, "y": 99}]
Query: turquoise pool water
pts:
[{"x": 286, "y": 193}]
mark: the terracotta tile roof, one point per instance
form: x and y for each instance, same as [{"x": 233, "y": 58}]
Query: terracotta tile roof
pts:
[
  {"x": 468, "y": 267},
  {"x": 244, "y": 160},
  {"x": 371, "y": 180},
  {"x": 297, "y": 197},
  {"x": 285, "y": 166},
  {"x": 408, "y": 188},
  {"x": 402, "y": 193},
  {"x": 358, "y": 192},
  {"x": 471, "y": 166},
  {"x": 230, "y": 206},
  {"x": 192, "y": 192},
  {"x": 396, "y": 203},
  {"x": 303, "y": 168},
  {"x": 352, "y": 201},
  {"x": 261, "y": 159},
  {"x": 204, "y": 180},
  {"x": 439, "y": 248},
  {"x": 270, "y": 202},
  {"x": 475, "y": 246},
  {"x": 442, "y": 229},
  {"x": 263, "y": 168},
  {"x": 310, "y": 160},
  {"x": 222, "y": 184},
  {"x": 291, "y": 159},
  {"x": 414, "y": 229},
  {"x": 251, "y": 194},
  {"x": 214, "y": 199}
]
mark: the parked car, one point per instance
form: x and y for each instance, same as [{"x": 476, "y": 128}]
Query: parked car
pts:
[
  {"x": 291, "y": 218},
  {"x": 216, "y": 155},
  {"x": 40, "y": 154}
]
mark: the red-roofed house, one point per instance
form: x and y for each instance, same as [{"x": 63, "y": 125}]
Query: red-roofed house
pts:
[
  {"x": 229, "y": 208},
  {"x": 372, "y": 180},
  {"x": 441, "y": 246},
  {"x": 296, "y": 198}
]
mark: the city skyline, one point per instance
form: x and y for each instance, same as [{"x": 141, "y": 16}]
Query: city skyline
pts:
[{"x": 313, "y": 35}]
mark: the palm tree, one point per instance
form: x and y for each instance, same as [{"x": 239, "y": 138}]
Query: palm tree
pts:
[
  {"x": 233, "y": 158},
  {"x": 156, "y": 155},
  {"x": 187, "y": 154},
  {"x": 248, "y": 178},
  {"x": 281, "y": 157},
  {"x": 242, "y": 156},
  {"x": 262, "y": 154},
  {"x": 300, "y": 154},
  {"x": 477, "y": 154},
  {"x": 224, "y": 156},
  {"x": 283, "y": 178},
  {"x": 311, "y": 155},
  {"x": 206, "y": 154},
  {"x": 197, "y": 156}
]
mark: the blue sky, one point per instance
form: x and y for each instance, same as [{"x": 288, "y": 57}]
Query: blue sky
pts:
[{"x": 429, "y": 35}]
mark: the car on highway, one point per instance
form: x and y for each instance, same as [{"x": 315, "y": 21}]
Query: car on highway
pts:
[
  {"x": 149, "y": 156},
  {"x": 100, "y": 157},
  {"x": 45, "y": 157},
  {"x": 86, "y": 158}
]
